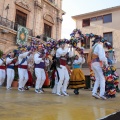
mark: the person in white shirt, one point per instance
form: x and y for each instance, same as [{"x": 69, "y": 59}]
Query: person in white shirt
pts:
[
  {"x": 96, "y": 66},
  {"x": 2, "y": 69},
  {"x": 39, "y": 60},
  {"x": 10, "y": 63},
  {"x": 62, "y": 69},
  {"x": 22, "y": 68}
]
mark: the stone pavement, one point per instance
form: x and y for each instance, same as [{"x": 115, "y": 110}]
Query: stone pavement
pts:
[{"x": 28, "y": 105}]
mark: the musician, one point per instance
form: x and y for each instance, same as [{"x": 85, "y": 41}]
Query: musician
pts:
[{"x": 2, "y": 69}]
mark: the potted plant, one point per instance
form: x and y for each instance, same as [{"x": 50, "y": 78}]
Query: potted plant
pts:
[{"x": 15, "y": 82}]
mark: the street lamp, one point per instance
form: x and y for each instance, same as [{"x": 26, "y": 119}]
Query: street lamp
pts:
[{"x": 7, "y": 8}]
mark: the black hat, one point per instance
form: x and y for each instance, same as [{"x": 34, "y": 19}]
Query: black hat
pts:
[
  {"x": 96, "y": 40},
  {"x": 61, "y": 42}
]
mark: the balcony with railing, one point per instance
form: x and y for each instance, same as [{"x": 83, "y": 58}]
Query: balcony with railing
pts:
[
  {"x": 12, "y": 25},
  {"x": 52, "y": 1},
  {"x": 44, "y": 37}
]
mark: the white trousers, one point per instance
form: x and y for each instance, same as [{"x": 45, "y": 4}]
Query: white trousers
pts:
[
  {"x": 100, "y": 79},
  {"x": 10, "y": 77},
  {"x": 23, "y": 77},
  {"x": 2, "y": 76},
  {"x": 40, "y": 74},
  {"x": 54, "y": 90},
  {"x": 63, "y": 79}
]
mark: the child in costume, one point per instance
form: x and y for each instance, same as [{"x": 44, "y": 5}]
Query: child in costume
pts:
[{"x": 77, "y": 78}]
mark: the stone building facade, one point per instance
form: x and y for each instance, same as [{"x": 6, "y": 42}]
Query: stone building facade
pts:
[
  {"x": 39, "y": 16},
  {"x": 105, "y": 23}
]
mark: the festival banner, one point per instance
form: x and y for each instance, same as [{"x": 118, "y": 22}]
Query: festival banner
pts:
[{"x": 22, "y": 35}]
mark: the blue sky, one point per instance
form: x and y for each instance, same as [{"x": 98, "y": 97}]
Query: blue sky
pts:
[{"x": 76, "y": 7}]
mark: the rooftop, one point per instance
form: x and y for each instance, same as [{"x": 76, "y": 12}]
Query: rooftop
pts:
[{"x": 97, "y": 12}]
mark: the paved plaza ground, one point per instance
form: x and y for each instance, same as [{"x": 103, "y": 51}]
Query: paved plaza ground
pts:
[{"x": 28, "y": 105}]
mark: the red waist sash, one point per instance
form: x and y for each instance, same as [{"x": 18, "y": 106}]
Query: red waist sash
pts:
[
  {"x": 63, "y": 62},
  {"x": 23, "y": 66},
  {"x": 3, "y": 67}
]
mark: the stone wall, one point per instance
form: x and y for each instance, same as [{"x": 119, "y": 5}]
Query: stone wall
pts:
[{"x": 38, "y": 13}]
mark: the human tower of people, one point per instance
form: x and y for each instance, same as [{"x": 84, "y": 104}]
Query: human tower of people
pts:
[{"x": 63, "y": 75}]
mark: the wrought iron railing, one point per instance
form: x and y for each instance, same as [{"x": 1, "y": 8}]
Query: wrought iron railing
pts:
[
  {"x": 12, "y": 25},
  {"x": 52, "y": 1},
  {"x": 44, "y": 37}
]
